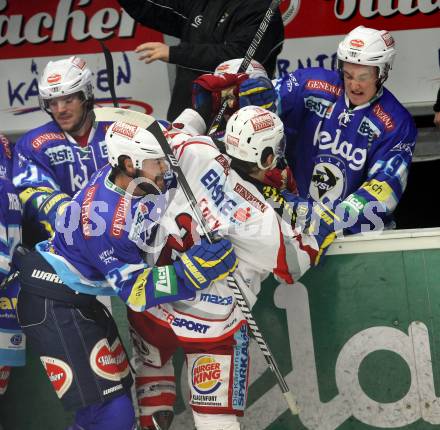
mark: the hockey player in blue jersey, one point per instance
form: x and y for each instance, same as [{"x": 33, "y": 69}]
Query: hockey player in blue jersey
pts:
[
  {"x": 54, "y": 161},
  {"x": 349, "y": 141},
  {"x": 12, "y": 341},
  {"x": 98, "y": 249}
]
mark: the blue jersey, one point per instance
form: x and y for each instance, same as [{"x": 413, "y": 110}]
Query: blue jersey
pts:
[
  {"x": 12, "y": 349},
  {"x": 358, "y": 156},
  {"x": 49, "y": 167},
  {"x": 100, "y": 241}
]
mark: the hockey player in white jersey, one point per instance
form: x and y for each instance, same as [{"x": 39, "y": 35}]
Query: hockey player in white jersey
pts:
[{"x": 230, "y": 191}]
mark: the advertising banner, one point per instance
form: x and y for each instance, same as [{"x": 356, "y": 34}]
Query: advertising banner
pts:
[
  {"x": 356, "y": 339},
  {"x": 33, "y": 33}
]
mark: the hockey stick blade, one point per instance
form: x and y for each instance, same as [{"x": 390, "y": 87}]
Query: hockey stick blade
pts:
[{"x": 114, "y": 114}]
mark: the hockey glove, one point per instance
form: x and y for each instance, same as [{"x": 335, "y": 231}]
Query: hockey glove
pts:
[
  {"x": 282, "y": 179},
  {"x": 205, "y": 263},
  {"x": 321, "y": 224},
  {"x": 258, "y": 92},
  {"x": 313, "y": 218},
  {"x": 209, "y": 91},
  {"x": 42, "y": 204}
]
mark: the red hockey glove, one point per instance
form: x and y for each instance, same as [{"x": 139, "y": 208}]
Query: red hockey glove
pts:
[
  {"x": 282, "y": 179},
  {"x": 209, "y": 91}
]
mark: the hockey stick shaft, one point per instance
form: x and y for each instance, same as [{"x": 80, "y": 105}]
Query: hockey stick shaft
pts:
[
  {"x": 232, "y": 283},
  {"x": 110, "y": 73},
  {"x": 250, "y": 53}
]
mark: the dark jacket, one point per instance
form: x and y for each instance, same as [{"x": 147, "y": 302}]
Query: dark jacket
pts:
[{"x": 211, "y": 31}]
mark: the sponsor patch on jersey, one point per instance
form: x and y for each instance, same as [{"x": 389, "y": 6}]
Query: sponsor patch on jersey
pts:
[
  {"x": 380, "y": 190},
  {"x": 262, "y": 122},
  {"x": 165, "y": 283},
  {"x": 85, "y": 211},
  {"x": 60, "y": 154},
  {"x": 368, "y": 129},
  {"x": 125, "y": 130},
  {"x": 354, "y": 203},
  {"x": 120, "y": 358},
  {"x": 241, "y": 214},
  {"x": 383, "y": 117},
  {"x": 328, "y": 179},
  {"x": 355, "y": 157},
  {"x": 119, "y": 216},
  {"x": 189, "y": 325},
  {"x": 216, "y": 300},
  {"x": 40, "y": 140},
  {"x": 241, "y": 366},
  {"x": 209, "y": 379},
  {"x": 137, "y": 297},
  {"x": 327, "y": 87},
  {"x": 247, "y": 195},
  {"x": 320, "y": 106},
  {"x": 59, "y": 373},
  {"x": 103, "y": 362},
  {"x": 221, "y": 159}
]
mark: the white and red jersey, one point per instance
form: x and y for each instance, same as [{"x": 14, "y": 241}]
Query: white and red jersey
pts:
[{"x": 235, "y": 208}]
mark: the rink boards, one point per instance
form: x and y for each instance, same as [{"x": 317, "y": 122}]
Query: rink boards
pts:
[{"x": 356, "y": 338}]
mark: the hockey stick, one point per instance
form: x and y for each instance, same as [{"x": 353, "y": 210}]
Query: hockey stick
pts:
[
  {"x": 149, "y": 123},
  {"x": 110, "y": 73},
  {"x": 247, "y": 58}
]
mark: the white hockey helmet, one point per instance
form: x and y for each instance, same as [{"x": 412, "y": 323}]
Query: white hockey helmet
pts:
[
  {"x": 250, "y": 131},
  {"x": 135, "y": 142},
  {"x": 368, "y": 47},
  {"x": 254, "y": 70},
  {"x": 64, "y": 77}
]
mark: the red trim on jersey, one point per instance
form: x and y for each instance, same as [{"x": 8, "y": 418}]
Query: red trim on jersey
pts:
[
  {"x": 206, "y": 319},
  {"x": 187, "y": 143},
  {"x": 282, "y": 269},
  {"x": 192, "y": 339},
  {"x": 313, "y": 253}
]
